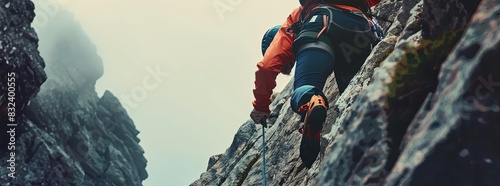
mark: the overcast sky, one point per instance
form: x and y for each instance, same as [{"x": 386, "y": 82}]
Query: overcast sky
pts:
[{"x": 198, "y": 62}]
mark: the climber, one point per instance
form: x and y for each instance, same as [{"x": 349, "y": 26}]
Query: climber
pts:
[{"x": 323, "y": 37}]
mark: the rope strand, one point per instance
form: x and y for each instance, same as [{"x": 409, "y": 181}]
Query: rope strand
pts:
[{"x": 264, "y": 153}]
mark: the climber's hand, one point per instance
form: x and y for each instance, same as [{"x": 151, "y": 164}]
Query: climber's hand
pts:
[{"x": 258, "y": 117}]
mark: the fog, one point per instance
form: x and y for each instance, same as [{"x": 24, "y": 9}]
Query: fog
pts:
[{"x": 184, "y": 70}]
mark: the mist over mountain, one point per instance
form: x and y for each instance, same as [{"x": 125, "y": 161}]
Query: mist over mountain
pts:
[{"x": 66, "y": 134}]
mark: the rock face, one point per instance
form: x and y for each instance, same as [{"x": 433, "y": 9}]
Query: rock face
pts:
[
  {"x": 18, "y": 54},
  {"x": 423, "y": 110},
  {"x": 66, "y": 133}
]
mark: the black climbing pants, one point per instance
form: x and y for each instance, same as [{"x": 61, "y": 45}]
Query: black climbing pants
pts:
[{"x": 342, "y": 47}]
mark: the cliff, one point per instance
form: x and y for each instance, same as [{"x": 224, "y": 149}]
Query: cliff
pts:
[
  {"x": 66, "y": 134},
  {"x": 423, "y": 110}
]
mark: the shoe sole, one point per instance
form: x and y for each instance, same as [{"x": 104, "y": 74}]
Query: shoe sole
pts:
[{"x": 309, "y": 148}]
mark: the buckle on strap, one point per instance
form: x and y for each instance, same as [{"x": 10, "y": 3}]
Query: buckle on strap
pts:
[{"x": 294, "y": 28}]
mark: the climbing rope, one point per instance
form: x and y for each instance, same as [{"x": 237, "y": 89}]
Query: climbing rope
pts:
[{"x": 264, "y": 125}]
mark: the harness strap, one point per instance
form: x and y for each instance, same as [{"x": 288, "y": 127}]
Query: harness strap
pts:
[
  {"x": 313, "y": 34},
  {"x": 325, "y": 25},
  {"x": 319, "y": 45}
]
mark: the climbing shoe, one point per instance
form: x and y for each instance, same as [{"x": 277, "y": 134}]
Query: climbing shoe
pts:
[{"x": 315, "y": 115}]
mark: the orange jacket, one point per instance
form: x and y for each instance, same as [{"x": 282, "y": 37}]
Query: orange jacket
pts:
[{"x": 279, "y": 54}]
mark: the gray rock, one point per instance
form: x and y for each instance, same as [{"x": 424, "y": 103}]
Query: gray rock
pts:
[
  {"x": 454, "y": 137},
  {"x": 68, "y": 135},
  {"x": 18, "y": 54},
  {"x": 423, "y": 110}
]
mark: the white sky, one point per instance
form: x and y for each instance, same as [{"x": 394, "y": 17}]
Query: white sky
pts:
[{"x": 194, "y": 112}]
